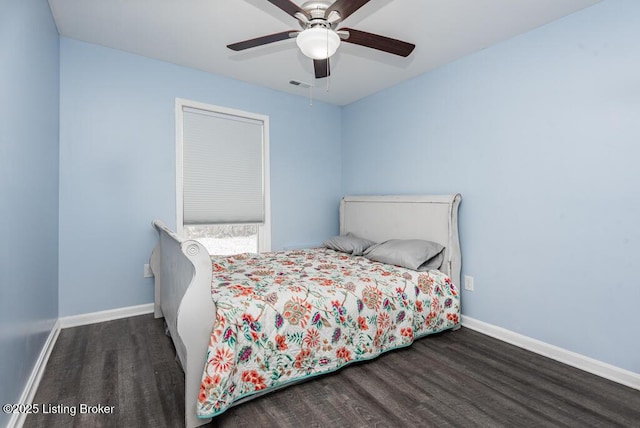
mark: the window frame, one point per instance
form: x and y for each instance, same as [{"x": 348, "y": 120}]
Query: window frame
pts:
[{"x": 264, "y": 229}]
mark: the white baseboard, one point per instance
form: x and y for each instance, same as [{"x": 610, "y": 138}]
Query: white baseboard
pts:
[
  {"x": 111, "y": 314},
  {"x": 29, "y": 392},
  {"x": 598, "y": 368}
]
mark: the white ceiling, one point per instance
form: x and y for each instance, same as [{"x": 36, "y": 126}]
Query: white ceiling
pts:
[{"x": 194, "y": 33}]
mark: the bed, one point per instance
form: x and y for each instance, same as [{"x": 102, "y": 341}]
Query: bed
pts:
[{"x": 247, "y": 324}]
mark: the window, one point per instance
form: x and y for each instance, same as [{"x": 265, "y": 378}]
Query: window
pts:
[{"x": 222, "y": 174}]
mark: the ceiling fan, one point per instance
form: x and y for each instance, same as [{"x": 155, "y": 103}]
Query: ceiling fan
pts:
[{"x": 319, "y": 38}]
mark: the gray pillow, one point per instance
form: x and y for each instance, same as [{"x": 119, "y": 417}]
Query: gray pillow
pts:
[
  {"x": 348, "y": 243},
  {"x": 415, "y": 254}
]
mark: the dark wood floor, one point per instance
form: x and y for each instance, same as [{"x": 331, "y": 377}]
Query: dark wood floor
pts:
[{"x": 453, "y": 379}]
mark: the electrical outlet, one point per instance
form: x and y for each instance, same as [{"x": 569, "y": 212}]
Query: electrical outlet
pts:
[
  {"x": 148, "y": 273},
  {"x": 468, "y": 283}
]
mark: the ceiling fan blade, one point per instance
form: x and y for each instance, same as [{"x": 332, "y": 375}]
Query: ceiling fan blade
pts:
[
  {"x": 259, "y": 41},
  {"x": 321, "y": 67},
  {"x": 345, "y": 7},
  {"x": 289, "y": 7},
  {"x": 381, "y": 43}
]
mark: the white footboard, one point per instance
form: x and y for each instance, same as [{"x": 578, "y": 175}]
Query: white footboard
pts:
[{"x": 182, "y": 271}]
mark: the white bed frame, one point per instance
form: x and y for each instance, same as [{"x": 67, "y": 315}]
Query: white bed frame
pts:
[{"x": 183, "y": 274}]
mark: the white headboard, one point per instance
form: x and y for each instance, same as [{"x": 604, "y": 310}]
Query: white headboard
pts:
[{"x": 434, "y": 218}]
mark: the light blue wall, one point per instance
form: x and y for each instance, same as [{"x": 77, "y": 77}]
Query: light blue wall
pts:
[
  {"x": 541, "y": 135},
  {"x": 29, "y": 74},
  {"x": 117, "y": 167}
]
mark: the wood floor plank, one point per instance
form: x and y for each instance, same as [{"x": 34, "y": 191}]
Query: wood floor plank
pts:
[
  {"x": 544, "y": 386},
  {"x": 452, "y": 379}
]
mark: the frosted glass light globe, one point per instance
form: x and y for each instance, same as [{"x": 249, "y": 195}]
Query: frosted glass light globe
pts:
[{"x": 318, "y": 43}]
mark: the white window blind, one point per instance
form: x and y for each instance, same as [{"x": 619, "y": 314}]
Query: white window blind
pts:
[{"x": 223, "y": 178}]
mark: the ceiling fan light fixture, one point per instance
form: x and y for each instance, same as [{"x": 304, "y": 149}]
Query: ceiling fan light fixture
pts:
[{"x": 318, "y": 42}]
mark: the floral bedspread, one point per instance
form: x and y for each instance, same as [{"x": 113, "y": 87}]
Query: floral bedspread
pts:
[{"x": 288, "y": 315}]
